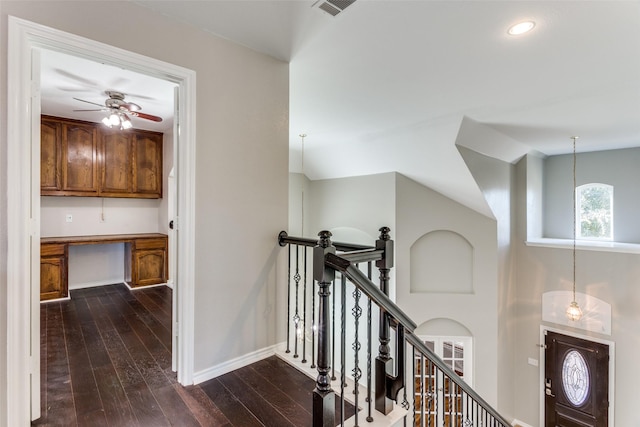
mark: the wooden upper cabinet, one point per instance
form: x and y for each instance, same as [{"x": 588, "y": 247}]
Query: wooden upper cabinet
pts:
[
  {"x": 147, "y": 163},
  {"x": 117, "y": 159},
  {"x": 50, "y": 155},
  {"x": 79, "y": 165},
  {"x": 88, "y": 159}
]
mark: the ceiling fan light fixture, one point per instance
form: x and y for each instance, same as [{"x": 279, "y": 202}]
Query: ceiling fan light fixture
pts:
[
  {"x": 125, "y": 122},
  {"x": 107, "y": 122},
  {"x": 114, "y": 119},
  {"x": 521, "y": 28}
]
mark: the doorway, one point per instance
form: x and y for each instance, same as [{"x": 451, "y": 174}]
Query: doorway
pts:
[
  {"x": 23, "y": 195},
  {"x": 576, "y": 382}
]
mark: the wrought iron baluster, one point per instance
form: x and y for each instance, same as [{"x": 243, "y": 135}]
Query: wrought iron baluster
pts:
[
  {"x": 357, "y": 373},
  {"x": 449, "y": 401},
  {"x": 423, "y": 420},
  {"x": 343, "y": 344},
  {"x": 369, "y": 403},
  {"x": 439, "y": 393},
  {"x": 333, "y": 338},
  {"x": 296, "y": 316},
  {"x": 288, "y": 297},
  {"x": 304, "y": 307},
  {"x": 314, "y": 324}
]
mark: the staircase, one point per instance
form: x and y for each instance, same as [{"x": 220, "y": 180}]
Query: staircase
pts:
[{"x": 361, "y": 347}]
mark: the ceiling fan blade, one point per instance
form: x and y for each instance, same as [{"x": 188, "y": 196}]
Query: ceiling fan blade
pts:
[
  {"x": 130, "y": 106},
  {"x": 86, "y": 82},
  {"x": 146, "y": 116},
  {"x": 89, "y": 102}
]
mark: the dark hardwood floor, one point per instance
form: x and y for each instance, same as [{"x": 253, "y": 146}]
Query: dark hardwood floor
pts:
[{"x": 106, "y": 361}]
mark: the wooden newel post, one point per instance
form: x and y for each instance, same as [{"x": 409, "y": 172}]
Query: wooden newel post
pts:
[
  {"x": 384, "y": 362},
  {"x": 323, "y": 396}
]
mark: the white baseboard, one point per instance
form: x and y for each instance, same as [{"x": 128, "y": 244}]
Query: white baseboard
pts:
[
  {"x": 517, "y": 422},
  {"x": 145, "y": 287},
  {"x": 233, "y": 364},
  {"x": 94, "y": 284},
  {"x": 55, "y": 300}
]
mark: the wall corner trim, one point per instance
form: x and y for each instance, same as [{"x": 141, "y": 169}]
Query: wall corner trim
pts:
[{"x": 233, "y": 364}]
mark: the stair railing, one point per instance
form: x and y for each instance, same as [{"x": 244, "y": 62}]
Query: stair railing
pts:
[{"x": 439, "y": 397}]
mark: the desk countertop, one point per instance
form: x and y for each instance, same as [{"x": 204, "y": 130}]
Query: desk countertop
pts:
[{"x": 100, "y": 239}]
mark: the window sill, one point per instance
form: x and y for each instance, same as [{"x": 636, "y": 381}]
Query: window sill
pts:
[{"x": 586, "y": 245}]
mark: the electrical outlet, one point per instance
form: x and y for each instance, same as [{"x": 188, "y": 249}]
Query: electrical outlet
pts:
[{"x": 69, "y": 218}]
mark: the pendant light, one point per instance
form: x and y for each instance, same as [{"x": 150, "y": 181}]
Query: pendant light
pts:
[{"x": 574, "y": 312}]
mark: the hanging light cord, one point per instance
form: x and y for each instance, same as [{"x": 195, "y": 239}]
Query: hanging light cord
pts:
[
  {"x": 574, "y": 217},
  {"x": 574, "y": 312},
  {"x": 302, "y": 137}
]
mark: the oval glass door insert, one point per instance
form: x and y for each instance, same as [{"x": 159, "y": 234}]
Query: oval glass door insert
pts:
[{"x": 575, "y": 378}]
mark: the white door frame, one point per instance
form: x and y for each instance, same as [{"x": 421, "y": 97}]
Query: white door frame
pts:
[
  {"x": 612, "y": 365},
  {"x": 23, "y": 219}
]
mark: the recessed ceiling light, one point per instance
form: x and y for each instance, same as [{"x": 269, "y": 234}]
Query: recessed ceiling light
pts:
[{"x": 521, "y": 28}]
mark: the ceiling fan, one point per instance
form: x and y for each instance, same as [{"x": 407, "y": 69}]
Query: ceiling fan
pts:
[{"x": 119, "y": 110}]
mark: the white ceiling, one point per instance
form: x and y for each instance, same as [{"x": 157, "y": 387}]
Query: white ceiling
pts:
[
  {"x": 392, "y": 85},
  {"x": 64, "y": 77}
]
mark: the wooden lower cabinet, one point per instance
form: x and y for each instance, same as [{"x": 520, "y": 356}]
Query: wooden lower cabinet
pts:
[
  {"x": 146, "y": 260},
  {"x": 53, "y": 271},
  {"x": 149, "y": 264}
]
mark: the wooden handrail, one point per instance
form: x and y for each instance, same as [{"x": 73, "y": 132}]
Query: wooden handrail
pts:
[
  {"x": 284, "y": 239},
  {"x": 326, "y": 263}
]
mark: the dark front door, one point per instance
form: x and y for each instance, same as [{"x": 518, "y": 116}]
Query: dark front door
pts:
[{"x": 576, "y": 382}]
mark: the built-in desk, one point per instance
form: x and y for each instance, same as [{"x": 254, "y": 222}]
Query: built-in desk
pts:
[{"x": 145, "y": 260}]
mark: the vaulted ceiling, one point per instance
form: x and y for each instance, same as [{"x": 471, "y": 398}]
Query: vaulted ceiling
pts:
[{"x": 393, "y": 85}]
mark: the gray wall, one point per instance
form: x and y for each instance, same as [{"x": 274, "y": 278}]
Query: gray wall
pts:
[
  {"x": 241, "y": 167},
  {"x": 615, "y": 167},
  {"x": 495, "y": 178},
  {"x": 609, "y": 276},
  {"x": 365, "y": 203},
  {"x": 420, "y": 210}
]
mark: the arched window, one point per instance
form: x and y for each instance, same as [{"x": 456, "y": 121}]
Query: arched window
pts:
[{"x": 594, "y": 212}]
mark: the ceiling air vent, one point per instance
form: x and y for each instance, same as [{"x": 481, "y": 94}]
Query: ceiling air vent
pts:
[{"x": 334, "y": 7}]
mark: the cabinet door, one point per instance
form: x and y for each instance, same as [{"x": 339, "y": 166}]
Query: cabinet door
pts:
[
  {"x": 50, "y": 155},
  {"x": 116, "y": 150},
  {"x": 149, "y": 264},
  {"x": 149, "y": 267},
  {"x": 53, "y": 272},
  {"x": 147, "y": 164},
  {"x": 79, "y": 166}
]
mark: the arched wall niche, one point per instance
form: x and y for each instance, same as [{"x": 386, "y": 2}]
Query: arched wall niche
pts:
[
  {"x": 441, "y": 262},
  {"x": 442, "y": 326}
]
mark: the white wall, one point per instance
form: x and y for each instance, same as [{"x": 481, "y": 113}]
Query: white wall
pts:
[
  {"x": 241, "y": 167},
  {"x": 611, "y": 277},
  {"x": 120, "y": 216},
  {"x": 91, "y": 265},
  {"x": 299, "y": 207}
]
